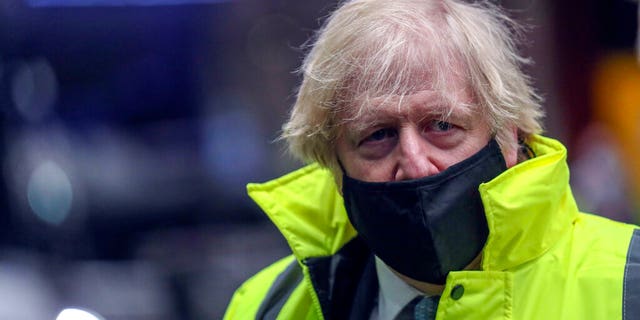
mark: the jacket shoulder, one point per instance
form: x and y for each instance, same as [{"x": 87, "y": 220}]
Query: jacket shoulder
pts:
[
  {"x": 605, "y": 268},
  {"x": 250, "y": 296},
  {"x": 605, "y": 229},
  {"x": 604, "y": 241}
]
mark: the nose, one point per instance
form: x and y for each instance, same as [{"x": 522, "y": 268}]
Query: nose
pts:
[{"x": 414, "y": 158}]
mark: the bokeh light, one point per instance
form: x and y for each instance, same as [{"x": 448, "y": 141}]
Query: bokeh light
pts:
[
  {"x": 34, "y": 90},
  {"x": 233, "y": 144},
  {"x": 49, "y": 193},
  {"x": 77, "y": 314}
]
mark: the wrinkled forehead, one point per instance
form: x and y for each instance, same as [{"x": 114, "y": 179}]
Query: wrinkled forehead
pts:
[
  {"x": 435, "y": 90},
  {"x": 418, "y": 106}
]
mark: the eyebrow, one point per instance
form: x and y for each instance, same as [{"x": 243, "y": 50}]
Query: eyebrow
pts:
[{"x": 372, "y": 117}]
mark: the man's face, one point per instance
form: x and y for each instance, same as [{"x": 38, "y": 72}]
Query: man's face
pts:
[{"x": 422, "y": 137}]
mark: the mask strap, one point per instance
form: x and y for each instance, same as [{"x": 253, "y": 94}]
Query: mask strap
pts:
[{"x": 526, "y": 150}]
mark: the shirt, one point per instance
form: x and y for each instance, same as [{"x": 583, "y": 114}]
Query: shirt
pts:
[{"x": 393, "y": 294}]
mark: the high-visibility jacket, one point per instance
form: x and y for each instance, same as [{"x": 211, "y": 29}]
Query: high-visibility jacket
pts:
[{"x": 543, "y": 259}]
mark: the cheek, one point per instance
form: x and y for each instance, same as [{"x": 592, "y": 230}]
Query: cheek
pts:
[
  {"x": 346, "y": 158},
  {"x": 359, "y": 167},
  {"x": 378, "y": 171}
]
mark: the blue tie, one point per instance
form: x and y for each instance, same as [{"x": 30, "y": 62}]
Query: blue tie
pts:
[{"x": 420, "y": 308}]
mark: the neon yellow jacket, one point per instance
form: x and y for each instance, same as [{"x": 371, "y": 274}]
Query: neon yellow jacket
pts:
[{"x": 543, "y": 259}]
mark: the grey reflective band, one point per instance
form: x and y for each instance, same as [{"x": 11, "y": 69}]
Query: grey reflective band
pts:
[
  {"x": 631, "y": 282},
  {"x": 280, "y": 291}
]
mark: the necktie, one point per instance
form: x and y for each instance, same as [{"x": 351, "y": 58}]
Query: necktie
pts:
[{"x": 420, "y": 308}]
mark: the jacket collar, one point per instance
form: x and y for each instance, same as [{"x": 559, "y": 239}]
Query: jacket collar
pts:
[
  {"x": 307, "y": 208},
  {"x": 528, "y": 208}
]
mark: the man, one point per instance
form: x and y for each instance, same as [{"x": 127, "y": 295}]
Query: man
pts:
[{"x": 432, "y": 194}]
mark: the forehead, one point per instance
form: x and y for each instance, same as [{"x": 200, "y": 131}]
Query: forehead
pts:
[
  {"x": 402, "y": 89},
  {"x": 425, "y": 101},
  {"x": 457, "y": 101}
]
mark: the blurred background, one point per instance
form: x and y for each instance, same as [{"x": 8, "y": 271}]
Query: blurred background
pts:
[{"x": 129, "y": 129}]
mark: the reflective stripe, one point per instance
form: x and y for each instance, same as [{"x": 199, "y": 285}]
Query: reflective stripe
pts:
[
  {"x": 631, "y": 284},
  {"x": 280, "y": 291}
]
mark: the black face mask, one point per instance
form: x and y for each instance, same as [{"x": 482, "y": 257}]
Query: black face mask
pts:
[{"x": 426, "y": 227}]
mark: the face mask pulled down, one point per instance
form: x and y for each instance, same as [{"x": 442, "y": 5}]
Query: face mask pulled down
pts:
[{"x": 425, "y": 228}]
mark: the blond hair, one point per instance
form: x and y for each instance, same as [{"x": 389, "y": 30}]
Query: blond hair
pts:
[{"x": 374, "y": 48}]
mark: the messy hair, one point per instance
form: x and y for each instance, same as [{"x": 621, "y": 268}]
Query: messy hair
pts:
[{"x": 374, "y": 48}]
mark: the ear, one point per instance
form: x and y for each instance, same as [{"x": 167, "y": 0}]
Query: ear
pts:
[{"x": 510, "y": 149}]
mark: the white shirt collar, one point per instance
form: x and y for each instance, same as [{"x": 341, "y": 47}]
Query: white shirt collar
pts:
[{"x": 394, "y": 293}]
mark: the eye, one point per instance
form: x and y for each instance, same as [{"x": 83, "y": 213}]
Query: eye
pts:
[
  {"x": 441, "y": 126},
  {"x": 380, "y": 135}
]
